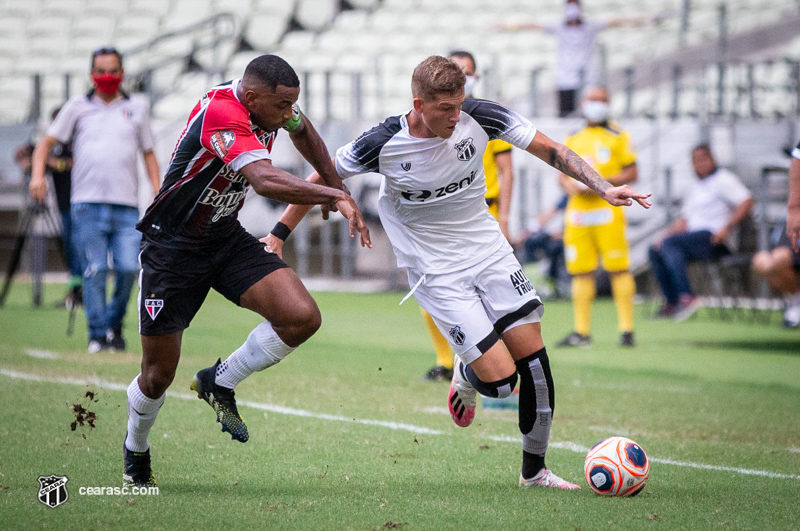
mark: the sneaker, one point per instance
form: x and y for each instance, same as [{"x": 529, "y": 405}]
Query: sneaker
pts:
[
  {"x": 438, "y": 374},
  {"x": 222, "y": 401},
  {"x": 688, "y": 305},
  {"x": 575, "y": 340},
  {"x": 137, "y": 469},
  {"x": 115, "y": 340},
  {"x": 96, "y": 344},
  {"x": 546, "y": 478},
  {"x": 665, "y": 312},
  {"x": 462, "y": 397},
  {"x": 791, "y": 317},
  {"x": 626, "y": 339}
]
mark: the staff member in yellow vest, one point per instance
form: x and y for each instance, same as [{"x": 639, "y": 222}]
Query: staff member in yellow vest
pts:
[
  {"x": 595, "y": 229},
  {"x": 499, "y": 182}
]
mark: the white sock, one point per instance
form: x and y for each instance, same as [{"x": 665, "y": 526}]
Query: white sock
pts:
[
  {"x": 263, "y": 348},
  {"x": 142, "y": 413}
]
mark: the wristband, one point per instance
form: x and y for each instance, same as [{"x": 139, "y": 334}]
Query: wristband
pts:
[{"x": 281, "y": 231}]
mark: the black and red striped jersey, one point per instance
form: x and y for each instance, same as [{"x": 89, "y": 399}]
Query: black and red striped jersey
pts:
[{"x": 203, "y": 191}]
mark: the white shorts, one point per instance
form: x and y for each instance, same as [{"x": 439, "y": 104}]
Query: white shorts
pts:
[{"x": 474, "y": 306}]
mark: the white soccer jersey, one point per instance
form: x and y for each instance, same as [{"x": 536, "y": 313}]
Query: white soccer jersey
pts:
[{"x": 431, "y": 201}]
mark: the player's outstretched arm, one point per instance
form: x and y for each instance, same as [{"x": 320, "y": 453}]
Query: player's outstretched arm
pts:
[
  {"x": 569, "y": 163},
  {"x": 38, "y": 184},
  {"x": 272, "y": 182},
  {"x": 290, "y": 219}
]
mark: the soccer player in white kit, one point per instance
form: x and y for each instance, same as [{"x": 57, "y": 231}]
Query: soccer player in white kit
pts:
[{"x": 460, "y": 267}]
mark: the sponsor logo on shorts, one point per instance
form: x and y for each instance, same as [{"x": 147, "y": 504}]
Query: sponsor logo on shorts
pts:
[
  {"x": 457, "y": 335},
  {"x": 153, "y": 307},
  {"x": 465, "y": 149},
  {"x": 53, "y": 490},
  {"x": 521, "y": 282},
  {"x": 221, "y": 141},
  {"x": 406, "y": 166}
]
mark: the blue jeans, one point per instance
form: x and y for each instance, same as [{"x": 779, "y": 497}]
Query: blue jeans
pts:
[
  {"x": 67, "y": 240},
  {"x": 669, "y": 262},
  {"x": 98, "y": 229}
]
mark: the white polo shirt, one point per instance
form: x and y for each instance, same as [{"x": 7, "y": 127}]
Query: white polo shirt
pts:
[
  {"x": 710, "y": 202},
  {"x": 106, "y": 143}
]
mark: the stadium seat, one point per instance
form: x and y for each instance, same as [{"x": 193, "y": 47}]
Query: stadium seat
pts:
[
  {"x": 157, "y": 8},
  {"x": 284, "y": 8},
  {"x": 264, "y": 31},
  {"x": 104, "y": 7},
  {"x": 98, "y": 27},
  {"x": 351, "y": 21},
  {"x": 315, "y": 14},
  {"x": 243, "y": 9},
  {"x": 298, "y": 41},
  {"x": 141, "y": 26},
  {"x": 185, "y": 13}
]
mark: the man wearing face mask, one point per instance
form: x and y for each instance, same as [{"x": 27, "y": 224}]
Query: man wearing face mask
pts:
[
  {"x": 499, "y": 183},
  {"x": 575, "y": 46},
  {"x": 108, "y": 128},
  {"x": 592, "y": 227}
]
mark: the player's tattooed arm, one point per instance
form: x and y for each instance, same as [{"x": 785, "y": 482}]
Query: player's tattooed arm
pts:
[{"x": 569, "y": 163}]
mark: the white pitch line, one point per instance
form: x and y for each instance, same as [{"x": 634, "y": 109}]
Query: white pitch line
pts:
[
  {"x": 42, "y": 354},
  {"x": 565, "y": 445}
]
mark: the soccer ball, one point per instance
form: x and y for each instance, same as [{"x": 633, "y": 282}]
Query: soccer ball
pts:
[{"x": 616, "y": 466}]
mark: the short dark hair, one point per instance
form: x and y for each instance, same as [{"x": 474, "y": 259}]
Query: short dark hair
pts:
[
  {"x": 704, "y": 146},
  {"x": 463, "y": 54},
  {"x": 107, "y": 50},
  {"x": 436, "y": 75},
  {"x": 272, "y": 71}
]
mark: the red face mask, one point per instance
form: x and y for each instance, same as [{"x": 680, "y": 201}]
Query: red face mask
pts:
[{"x": 107, "y": 83}]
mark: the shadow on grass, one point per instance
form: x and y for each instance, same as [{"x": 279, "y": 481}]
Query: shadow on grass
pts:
[{"x": 790, "y": 346}]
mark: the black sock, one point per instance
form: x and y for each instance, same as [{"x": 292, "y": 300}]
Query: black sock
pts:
[{"x": 531, "y": 464}]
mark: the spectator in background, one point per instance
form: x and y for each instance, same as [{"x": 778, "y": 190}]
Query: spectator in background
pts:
[
  {"x": 576, "y": 36},
  {"x": 592, "y": 227},
  {"x": 499, "y": 182},
  {"x": 107, "y": 129},
  {"x": 714, "y": 206}
]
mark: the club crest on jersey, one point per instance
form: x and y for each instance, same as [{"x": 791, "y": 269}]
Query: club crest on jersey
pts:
[
  {"x": 53, "y": 490},
  {"x": 457, "y": 335},
  {"x": 221, "y": 141},
  {"x": 406, "y": 166},
  {"x": 465, "y": 149},
  {"x": 153, "y": 307}
]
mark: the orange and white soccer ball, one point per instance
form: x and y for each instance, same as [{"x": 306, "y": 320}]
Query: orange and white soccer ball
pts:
[{"x": 616, "y": 466}]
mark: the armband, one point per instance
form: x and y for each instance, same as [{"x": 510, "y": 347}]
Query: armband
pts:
[
  {"x": 281, "y": 231},
  {"x": 293, "y": 123}
]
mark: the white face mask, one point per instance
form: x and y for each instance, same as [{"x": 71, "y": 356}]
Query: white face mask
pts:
[
  {"x": 572, "y": 12},
  {"x": 469, "y": 86},
  {"x": 595, "y": 111}
]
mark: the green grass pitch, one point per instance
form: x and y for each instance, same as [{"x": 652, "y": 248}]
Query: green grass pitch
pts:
[{"x": 343, "y": 435}]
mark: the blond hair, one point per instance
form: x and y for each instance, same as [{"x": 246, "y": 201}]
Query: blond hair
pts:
[{"x": 436, "y": 75}]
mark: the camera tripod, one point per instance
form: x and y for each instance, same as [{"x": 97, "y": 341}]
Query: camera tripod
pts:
[{"x": 26, "y": 230}]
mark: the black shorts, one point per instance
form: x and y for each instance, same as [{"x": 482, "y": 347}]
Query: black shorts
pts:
[{"x": 173, "y": 283}]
